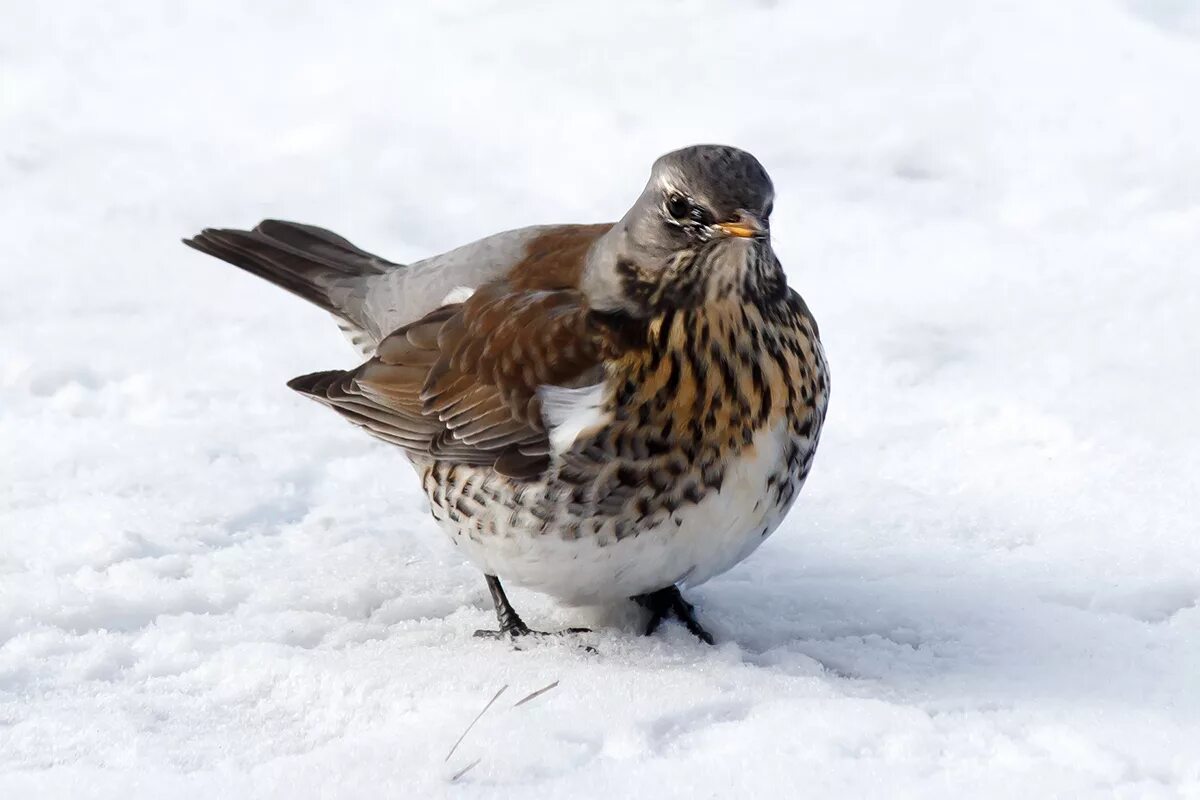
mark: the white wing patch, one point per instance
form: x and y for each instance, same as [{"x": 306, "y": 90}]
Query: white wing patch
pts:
[
  {"x": 571, "y": 412},
  {"x": 459, "y": 294}
]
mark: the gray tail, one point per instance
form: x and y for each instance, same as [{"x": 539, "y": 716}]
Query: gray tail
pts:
[{"x": 311, "y": 262}]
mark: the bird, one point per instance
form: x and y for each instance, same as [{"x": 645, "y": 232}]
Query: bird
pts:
[{"x": 597, "y": 412}]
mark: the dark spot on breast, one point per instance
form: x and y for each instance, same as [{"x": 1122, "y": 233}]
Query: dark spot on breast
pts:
[
  {"x": 672, "y": 384},
  {"x": 628, "y": 475}
]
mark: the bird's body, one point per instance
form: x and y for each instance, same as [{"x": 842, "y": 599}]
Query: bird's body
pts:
[
  {"x": 595, "y": 411},
  {"x": 688, "y": 453}
]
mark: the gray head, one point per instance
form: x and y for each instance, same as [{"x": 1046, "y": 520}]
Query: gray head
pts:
[{"x": 699, "y": 224}]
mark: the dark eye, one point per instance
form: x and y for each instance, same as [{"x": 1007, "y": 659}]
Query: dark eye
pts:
[
  {"x": 684, "y": 209},
  {"x": 679, "y": 206}
]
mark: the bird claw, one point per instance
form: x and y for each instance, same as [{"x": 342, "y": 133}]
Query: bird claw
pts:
[
  {"x": 515, "y": 634},
  {"x": 670, "y": 603}
]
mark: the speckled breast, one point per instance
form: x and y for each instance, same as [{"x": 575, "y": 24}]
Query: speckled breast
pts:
[{"x": 711, "y": 433}]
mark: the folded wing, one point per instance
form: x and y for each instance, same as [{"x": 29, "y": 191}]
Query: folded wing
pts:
[{"x": 461, "y": 384}]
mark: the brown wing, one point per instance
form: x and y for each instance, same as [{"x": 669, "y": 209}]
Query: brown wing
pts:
[{"x": 461, "y": 383}]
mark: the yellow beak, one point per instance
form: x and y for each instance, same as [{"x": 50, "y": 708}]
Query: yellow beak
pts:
[{"x": 744, "y": 228}]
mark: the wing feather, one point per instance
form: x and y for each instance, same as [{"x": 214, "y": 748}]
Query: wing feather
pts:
[{"x": 462, "y": 383}]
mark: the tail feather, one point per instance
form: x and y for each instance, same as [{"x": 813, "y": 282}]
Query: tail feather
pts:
[
  {"x": 316, "y": 384},
  {"x": 310, "y": 262}
]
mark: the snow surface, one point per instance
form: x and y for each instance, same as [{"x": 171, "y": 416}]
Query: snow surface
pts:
[{"x": 210, "y": 587}]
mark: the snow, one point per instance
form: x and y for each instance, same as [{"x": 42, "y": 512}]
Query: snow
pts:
[{"x": 990, "y": 586}]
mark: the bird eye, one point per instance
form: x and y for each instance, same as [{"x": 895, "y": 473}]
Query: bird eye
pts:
[
  {"x": 679, "y": 206},
  {"x": 685, "y": 209}
]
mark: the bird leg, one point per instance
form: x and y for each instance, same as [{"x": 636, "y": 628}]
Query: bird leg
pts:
[
  {"x": 670, "y": 603},
  {"x": 510, "y": 621},
  {"x": 511, "y": 624}
]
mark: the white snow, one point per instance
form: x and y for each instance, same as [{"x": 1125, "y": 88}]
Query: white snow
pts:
[{"x": 210, "y": 587}]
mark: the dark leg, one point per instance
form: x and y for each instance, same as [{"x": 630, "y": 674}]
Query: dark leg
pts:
[
  {"x": 511, "y": 623},
  {"x": 658, "y": 604},
  {"x": 670, "y": 603}
]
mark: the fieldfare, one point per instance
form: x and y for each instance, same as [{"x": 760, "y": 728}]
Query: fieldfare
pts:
[{"x": 594, "y": 411}]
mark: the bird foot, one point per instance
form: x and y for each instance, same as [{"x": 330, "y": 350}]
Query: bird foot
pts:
[
  {"x": 512, "y": 627},
  {"x": 670, "y": 603},
  {"x": 523, "y": 630}
]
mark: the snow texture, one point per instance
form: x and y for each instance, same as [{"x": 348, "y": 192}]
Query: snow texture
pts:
[{"x": 211, "y": 587}]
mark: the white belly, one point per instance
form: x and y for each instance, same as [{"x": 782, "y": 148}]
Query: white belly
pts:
[{"x": 696, "y": 543}]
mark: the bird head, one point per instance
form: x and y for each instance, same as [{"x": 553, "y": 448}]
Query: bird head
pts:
[{"x": 699, "y": 230}]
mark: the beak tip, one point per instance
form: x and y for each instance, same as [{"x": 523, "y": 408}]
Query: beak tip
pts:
[{"x": 744, "y": 228}]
